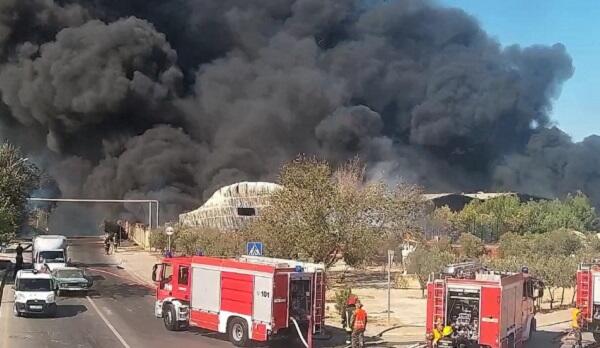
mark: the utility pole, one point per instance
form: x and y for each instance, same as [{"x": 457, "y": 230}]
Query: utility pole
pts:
[{"x": 390, "y": 261}]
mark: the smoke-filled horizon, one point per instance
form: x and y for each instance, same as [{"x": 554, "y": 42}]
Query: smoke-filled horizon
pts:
[{"x": 172, "y": 99}]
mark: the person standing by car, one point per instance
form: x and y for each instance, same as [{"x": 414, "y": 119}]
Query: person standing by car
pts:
[{"x": 18, "y": 260}]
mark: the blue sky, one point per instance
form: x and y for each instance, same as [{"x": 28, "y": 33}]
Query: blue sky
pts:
[{"x": 576, "y": 24}]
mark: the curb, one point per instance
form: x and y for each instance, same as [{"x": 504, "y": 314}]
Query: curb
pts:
[{"x": 3, "y": 282}]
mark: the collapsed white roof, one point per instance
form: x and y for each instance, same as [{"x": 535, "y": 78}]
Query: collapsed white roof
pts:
[{"x": 230, "y": 207}]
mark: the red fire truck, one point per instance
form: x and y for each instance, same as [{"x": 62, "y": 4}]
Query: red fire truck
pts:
[
  {"x": 588, "y": 297},
  {"x": 249, "y": 298},
  {"x": 484, "y": 308}
]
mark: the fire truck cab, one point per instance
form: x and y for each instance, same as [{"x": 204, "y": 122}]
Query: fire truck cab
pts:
[
  {"x": 588, "y": 297},
  {"x": 249, "y": 298},
  {"x": 483, "y": 308}
]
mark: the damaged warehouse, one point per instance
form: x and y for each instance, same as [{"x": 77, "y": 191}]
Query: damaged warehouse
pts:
[{"x": 230, "y": 207}]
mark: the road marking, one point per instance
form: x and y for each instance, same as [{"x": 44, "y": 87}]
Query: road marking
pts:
[{"x": 112, "y": 328}]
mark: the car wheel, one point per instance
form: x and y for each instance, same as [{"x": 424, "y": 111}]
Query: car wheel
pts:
[
  {"x": 238, "y": 332},
  {"x": 16, "y": 312},
  {"x": 170, "y": 318},
  {"x": 597, "y": 337}
]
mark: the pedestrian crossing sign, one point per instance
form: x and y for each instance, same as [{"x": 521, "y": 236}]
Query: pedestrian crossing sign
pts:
[{"x": 254, "y": 248}]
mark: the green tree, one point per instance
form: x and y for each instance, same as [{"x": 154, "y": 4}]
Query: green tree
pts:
[
  {"x": 471, "y": 246},
  {"x": 516, "y": 245},
  {"x": 490, "y": 218},
  {"x": 322, "y": 213},
  {"x": 443, "y": 221},
  {"x": 18, "y": 178},
  {"x": 425, "y": 261},
  {"x": 8, "y": 225},
  {"x": 561, "y": 242}
]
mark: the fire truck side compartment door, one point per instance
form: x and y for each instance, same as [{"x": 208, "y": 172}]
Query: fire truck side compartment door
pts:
[
  {"x": 281, "y": 288},
  {"x": 206, "y": 289},
  {"x": 596, "y": 288},
  {"x": 263, "y": 298},
  {"x": 489, "y": 328}
]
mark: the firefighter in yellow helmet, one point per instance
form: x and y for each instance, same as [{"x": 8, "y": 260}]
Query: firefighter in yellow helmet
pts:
[
  {"x": 576, "y": 318},
  {"x": 437, "y": 332},
  {"x": 440, "y": 331}
]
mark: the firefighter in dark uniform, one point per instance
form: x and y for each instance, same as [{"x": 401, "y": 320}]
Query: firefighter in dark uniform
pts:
[
  {"x": 347, "y": 311},
  {"x": 18, "y": 260}
]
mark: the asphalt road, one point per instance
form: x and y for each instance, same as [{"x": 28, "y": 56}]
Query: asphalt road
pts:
[{"x": 118, "y": 313}]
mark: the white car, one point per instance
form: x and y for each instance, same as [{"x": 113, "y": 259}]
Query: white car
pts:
[{"x": 34, "y": 293}]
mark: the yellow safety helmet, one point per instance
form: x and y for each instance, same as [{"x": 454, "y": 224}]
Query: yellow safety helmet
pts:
[
  {"x": 575, "y": 317},
  {"x": 447, "y": 330}
]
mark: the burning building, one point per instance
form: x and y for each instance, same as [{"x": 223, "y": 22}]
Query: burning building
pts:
[{"x": 230, "y": 207}]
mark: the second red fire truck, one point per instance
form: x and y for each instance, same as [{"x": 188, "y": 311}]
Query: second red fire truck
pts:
[
  {"x": 249, "y": 298},
  {"x": 588, "y": 297},
  {"x": 483, "y": 308}
]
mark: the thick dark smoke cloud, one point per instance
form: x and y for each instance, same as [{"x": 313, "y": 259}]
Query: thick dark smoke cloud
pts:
[{"x": 171, "y": 99}]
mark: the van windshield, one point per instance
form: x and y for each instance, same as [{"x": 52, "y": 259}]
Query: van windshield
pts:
[
  {"x": 32, "y": 284},
  {"x": 52, "y": 256}
]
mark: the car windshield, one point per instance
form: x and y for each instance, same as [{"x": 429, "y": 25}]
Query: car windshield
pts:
[
  {"x": 32, "y": 284},
  {"x": 69, "y": 273},
  {"x": 54, "y": 256}
]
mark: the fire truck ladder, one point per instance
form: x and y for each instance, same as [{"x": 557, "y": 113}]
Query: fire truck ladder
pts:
[
  {"x": 439, "y": 293},
  {"x": 584, "y": 292},
  {"x": 319, "y": 292}
]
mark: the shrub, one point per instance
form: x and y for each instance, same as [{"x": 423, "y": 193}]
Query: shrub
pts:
[
  {"x": 159, "y": 240},
  {"x": 341, "y": 296},
  {"x": 210, "y": 241}
]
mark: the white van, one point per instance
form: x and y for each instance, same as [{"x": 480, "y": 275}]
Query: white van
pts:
[{"x": 34, "y": 293}]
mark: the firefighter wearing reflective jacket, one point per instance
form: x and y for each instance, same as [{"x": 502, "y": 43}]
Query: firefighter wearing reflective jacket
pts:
[
  {"x": 359, "y": 325},
  {"x": 349, "y": 309}
]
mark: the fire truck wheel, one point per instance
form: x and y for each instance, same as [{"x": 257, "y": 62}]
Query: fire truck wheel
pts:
[
  {"x": 170, "y": 318},
  {"x": 238, "y": 332}
]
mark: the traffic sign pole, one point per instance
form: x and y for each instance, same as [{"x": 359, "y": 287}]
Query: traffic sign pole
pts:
[
  {"x": 169, "y": 231},
  {"x": 390, "y": 261}
]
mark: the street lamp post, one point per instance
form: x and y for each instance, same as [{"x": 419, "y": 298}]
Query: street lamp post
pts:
[{"x": 169, "y": 231}]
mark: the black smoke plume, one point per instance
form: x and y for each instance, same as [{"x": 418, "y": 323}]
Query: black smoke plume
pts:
[{"x": 171, "y": 99}]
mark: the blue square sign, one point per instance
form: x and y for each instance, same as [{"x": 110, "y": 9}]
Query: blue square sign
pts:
[{"x": 254, "y": 248}]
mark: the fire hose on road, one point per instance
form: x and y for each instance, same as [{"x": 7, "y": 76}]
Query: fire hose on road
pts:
[{"x": 300, "y": 332}]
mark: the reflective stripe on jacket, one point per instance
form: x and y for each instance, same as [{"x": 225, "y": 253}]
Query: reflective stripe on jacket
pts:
[{"x": 360, "y": 319}]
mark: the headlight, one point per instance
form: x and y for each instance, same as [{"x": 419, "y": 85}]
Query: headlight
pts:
[
  {"x": 19, "y": 297},
  {"x": 50, "y": 298}
]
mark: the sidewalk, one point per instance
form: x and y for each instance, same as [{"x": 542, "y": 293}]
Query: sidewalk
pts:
[{"x": 137, "y": 262}]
